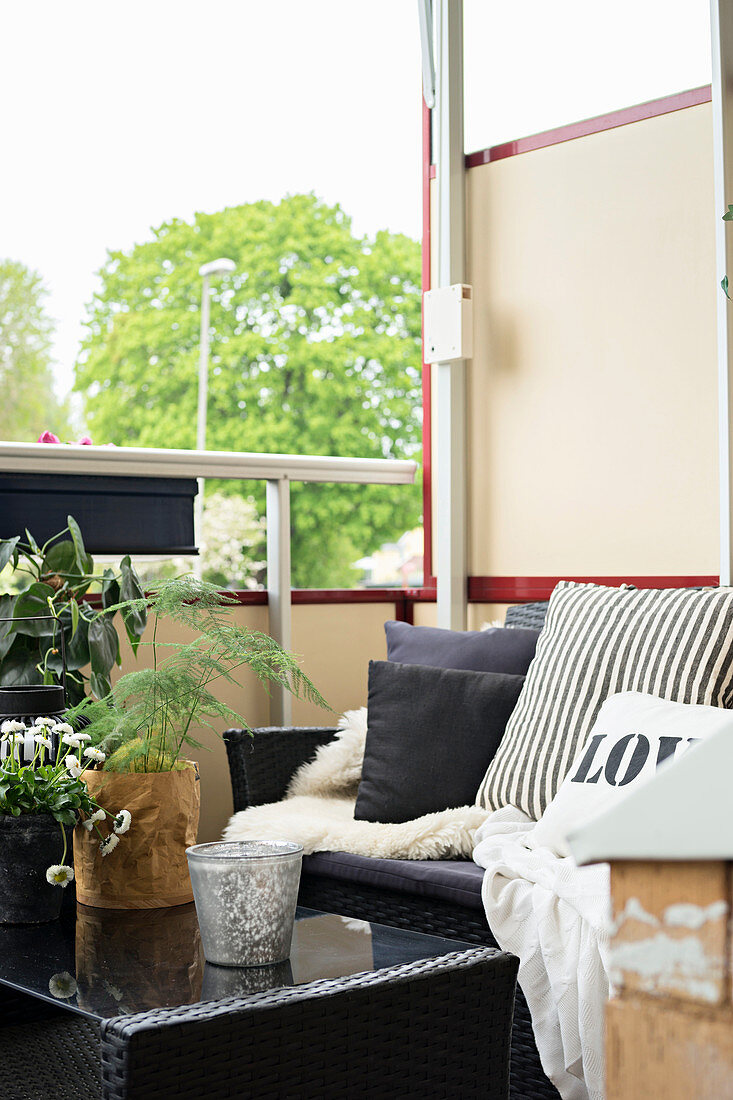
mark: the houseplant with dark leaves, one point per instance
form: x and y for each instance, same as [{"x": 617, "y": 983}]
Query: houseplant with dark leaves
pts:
[{"x": 51, "y": 585}]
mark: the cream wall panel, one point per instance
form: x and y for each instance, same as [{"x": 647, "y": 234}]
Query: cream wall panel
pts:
[
  {"x": 425, "y": 614},
  {"x": 592, "y": 392},
  {"x": 337, "y": 641},
  {"x": 479, "y": 614}
]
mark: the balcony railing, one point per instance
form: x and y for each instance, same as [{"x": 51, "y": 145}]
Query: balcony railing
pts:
[{"x": 276, "y": 470}]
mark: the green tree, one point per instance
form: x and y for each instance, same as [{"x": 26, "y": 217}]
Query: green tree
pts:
[
  {"x": 315, "y": 349},
  {"x": 28, "y": 404}
]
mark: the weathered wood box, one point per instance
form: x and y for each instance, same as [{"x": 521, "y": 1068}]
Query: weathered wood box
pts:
[{"x": 669, "y": 1022}]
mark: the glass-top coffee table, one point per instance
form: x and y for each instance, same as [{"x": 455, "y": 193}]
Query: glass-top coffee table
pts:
[
  {"x": 111, "y": 962},
  {"x": 359, "y": 1009}
]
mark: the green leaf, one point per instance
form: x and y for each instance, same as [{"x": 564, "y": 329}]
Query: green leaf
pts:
[
  {"x": 74, "y": 610},
  {"x": 76, "y": 537},
  {"x": 110, "y": 589},
  {"x": 724, "y": 284},
  {"x": 104, "y": 645},
  {"x": 100, "y": 684},
  {"x": 6, "y": 635},
  {"x": 34, "y": 601},
  {"x": 35, "y": 548},
  {"x": 7, "y": 550},
  {"x": 728, "y": 216},
  {"x": 61, "y": 558},
  {"x": 135, "y": 618},
  {"x": 65, "y": 817},
  {"x": 18, "y": 666}
]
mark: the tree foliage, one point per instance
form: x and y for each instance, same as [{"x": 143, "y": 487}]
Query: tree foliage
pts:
[
  {"x": 28, "y": 404},
  {"x": 315, "y": 349}
]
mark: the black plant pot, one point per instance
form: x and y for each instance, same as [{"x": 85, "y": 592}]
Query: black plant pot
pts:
[
  {"x": 29, "y": 845},
  {"x": 25, "y": 704}
]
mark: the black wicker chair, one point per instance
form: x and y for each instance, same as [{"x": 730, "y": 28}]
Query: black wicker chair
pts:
[
  {"x": 261, "y": 768},
  {"x": 435, "y": 1028}
]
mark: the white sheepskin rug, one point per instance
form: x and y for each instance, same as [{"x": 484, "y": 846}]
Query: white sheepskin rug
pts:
[{"x": 318, "y": 810}]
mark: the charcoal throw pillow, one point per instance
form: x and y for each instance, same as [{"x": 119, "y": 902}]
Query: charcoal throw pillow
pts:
[
  {"x": 631, "y": 738},
  {"x": 497, "y": 649},
  {"x": 431, "y": 733},
  {"x": 674, "y": 644}
]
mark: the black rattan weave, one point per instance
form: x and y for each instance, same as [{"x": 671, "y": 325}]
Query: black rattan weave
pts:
[
  {"x": 530, "y": 615},
  {"x": 420, "y": 914},
  {"x": 435, "y": 917},
  {"x": 261, "y": 766},
  {"x": 437, "y": 1028},
  {"x": 56, "y": 1057}
]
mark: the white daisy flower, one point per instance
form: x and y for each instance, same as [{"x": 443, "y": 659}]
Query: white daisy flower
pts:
[
  {"x": 62, "y": 986},
  {"x": 122, "y": 821},
  {"x": 95, "y": 754},
  {"x": 14, "y": 738},
  {"x": 41, "y": 739},
  {"x": 73, "y": 766},
  {"x": 108, "y": 844},
  {"x": 98, "y": 815},
  {"x": 10, "y": 728},
  {"x": 81, "y": 736},
  {"x": 50, "y": 723},
  {"x": 59, "y": 875},
  {"x": 72, "y": 740}
]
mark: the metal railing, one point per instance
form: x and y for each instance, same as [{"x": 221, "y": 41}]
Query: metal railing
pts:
[{"x": 276, "y": 470}]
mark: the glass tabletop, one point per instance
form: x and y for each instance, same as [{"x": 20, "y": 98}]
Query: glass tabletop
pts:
[{"x": 110, "y": 962}]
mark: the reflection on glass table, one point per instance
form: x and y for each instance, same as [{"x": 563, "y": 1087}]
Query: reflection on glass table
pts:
[{"x": 109, "y": 962}]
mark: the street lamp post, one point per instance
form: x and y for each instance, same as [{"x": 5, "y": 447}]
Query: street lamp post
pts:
[{"x": 215, "y": 267}]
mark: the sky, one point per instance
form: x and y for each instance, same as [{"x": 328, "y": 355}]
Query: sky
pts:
[{"x": 119, "y": 116}]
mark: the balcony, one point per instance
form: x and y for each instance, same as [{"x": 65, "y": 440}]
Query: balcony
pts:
[{"x": 587, "y": 437}]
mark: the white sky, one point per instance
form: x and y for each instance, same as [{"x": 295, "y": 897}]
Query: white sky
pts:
[{"x": 118, "y": 116}]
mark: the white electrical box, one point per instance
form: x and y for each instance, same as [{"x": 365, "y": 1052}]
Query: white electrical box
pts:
[{"x": 448, "y": 317}]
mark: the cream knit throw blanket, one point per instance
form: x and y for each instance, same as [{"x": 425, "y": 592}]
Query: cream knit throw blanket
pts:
[{"x": 318, "y": 811}]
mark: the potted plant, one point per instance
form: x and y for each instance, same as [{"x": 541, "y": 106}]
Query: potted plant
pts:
[
  {"x": 54, "y": 580},
  {"x": 144, "y": 726},
  {"x": 39, "y": 803}
]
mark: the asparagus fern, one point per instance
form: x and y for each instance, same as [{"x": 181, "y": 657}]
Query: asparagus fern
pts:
[{"x": 147, "y": 721}]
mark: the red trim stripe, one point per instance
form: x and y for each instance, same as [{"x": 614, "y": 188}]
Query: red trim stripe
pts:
[
  {"x": 309, "y": 596},
  {"x": 427, "y": 454},
  {"x": 480, "y": 590},
  {"x": 527, "y": 589},
  {"x": 652, "y": 109}
]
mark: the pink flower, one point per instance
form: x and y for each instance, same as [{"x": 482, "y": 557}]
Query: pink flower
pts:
[
  {"x": 85, "y": 441},
  {"x": 48, "y": 437}
]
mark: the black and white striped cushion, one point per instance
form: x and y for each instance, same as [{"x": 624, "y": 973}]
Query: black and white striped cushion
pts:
[{"x": 672, "y": 643}]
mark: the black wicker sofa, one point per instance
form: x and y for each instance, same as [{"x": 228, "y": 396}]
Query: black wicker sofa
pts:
[{"x": 441, "y": 897}]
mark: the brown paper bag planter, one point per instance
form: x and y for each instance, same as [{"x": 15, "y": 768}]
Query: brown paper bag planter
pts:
[{"x": 148, "y": 868}]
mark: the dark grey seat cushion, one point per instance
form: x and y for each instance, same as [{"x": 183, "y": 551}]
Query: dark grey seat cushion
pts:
[
  {"x": 492, "y": 650},
  {"x": 455, "y": 880}
]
